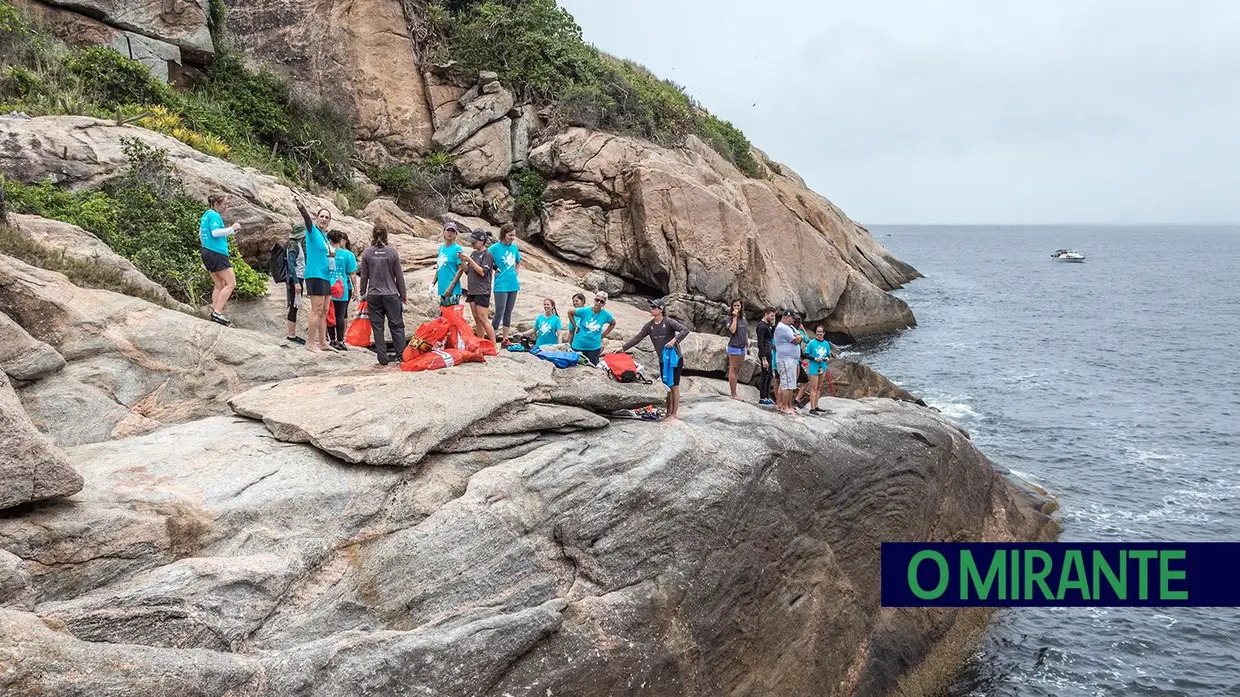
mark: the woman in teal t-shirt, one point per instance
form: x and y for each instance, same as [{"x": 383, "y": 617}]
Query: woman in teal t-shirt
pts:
[
  {"x": 214, "y": 238},
  {"x": 592, "y": 325},
  {"x": 547, "y": 326},
  {"x": 318, "y": 276},
  {"x": 342, "y": 267},
  {"x": 451, "y": 254},
  {"x": 816, "y": 354},
  {"x": 507, "y": 263}
]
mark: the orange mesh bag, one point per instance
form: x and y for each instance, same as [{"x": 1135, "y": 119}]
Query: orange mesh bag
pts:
[{"x": 437, "y": 359}]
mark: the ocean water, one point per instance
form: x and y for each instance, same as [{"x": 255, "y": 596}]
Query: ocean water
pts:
[{"x": 1114, "y": 384}]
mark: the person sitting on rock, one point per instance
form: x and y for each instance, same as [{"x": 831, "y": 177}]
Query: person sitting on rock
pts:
[
  {"x": 477, "y": 270},
  {"x": 318, "y": 276},
  {"x": 738, "y": 344},
  {"x": 787, "y": 358},
  {"x": 664, "y": 333},
  {"x": 507, "y": 265},
  {"x": 579, "y": 301},
  {"x": 817, "y": 352},
  {"x": 593, "y": 324},
  {"x": 383, "y": 286},
  {"x": 548, "y": 325},
  {"x": 448, "y": 263},
  {"x": 214, "y": 238}
]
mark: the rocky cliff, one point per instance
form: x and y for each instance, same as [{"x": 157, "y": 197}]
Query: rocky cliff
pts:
[
  {"x": 680, "y": 221},
  {"x": 193, "y": 510}
]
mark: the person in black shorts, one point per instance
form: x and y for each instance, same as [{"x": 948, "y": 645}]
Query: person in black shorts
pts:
[
  {"x": 664, "y": 333},
  {"x": 477, "y": 269},
  {"x": 213, "y": 236}
]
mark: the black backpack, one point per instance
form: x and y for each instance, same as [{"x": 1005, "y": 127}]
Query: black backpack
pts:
[{"x": 278, "y": 265}]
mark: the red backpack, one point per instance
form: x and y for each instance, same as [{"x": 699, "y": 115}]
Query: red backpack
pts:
[{"x": 621, "y": 366}]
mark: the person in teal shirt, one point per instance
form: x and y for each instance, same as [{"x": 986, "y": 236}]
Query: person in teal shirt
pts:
[
  {"x": 592, "y": 325},
  {"x": 507, "y": 264},
  {"x": 817, "y": 352},
  {"x": 448, "y": 263},
  {"x": 214, "y": 237},
  {"x": 318, "y": 276},
  {"x": 548, "y": 325},
  {"x": 342, "y": 267}
]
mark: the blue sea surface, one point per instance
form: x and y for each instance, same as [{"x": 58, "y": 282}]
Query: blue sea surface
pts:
[{"x": 1114, "y": 384}]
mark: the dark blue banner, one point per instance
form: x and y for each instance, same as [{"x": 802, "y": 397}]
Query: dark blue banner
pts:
[{"x": 1062, "y": 574}]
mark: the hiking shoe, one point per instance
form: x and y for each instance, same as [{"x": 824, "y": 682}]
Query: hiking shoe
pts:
[
  {"x": 816, "y": 412},
  {"x": 766, "y": 402},
  {"x": 220, "y": 319},
  {"x": 295, "y": 340}
]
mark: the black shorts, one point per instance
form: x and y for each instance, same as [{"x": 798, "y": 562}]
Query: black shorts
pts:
[
  {"x": 481, "y": 299},
  {"x": 675, "y": 374},
  {"x": 214, "y": 261},
  {"x": 318, "y": 287}
]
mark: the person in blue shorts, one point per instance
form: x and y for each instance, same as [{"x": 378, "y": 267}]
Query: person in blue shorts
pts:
[
  {"x": 451, "y": 255},
  {"x": 592, "y": 325},
  {"x": 817, "y": 352},
  {"x": 507, "y": 265},
  {"x": 342, "y": 266},
  {"x": 738, "y": 344},
  {"x": 214, "y": 238}
]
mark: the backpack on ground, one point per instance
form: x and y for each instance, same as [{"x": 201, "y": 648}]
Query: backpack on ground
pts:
[
  {"x": 560, "y": 359},
  {"x": 621, "y": 366},
  {"x": 278, "y": 264}
]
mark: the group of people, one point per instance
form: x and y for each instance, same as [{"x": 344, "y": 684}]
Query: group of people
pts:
[{"x": 322, "y": 266}]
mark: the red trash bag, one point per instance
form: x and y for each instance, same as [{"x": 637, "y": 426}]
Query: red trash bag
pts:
[
  {"x": 429, "y": 335},
  {"x": 331, "y": 315},
  {"x": 487, "y": 347},
  {"x": 338, "y": 290},
  {"x": 359, "y": 333},
  {"x": 436, "y": 359}
]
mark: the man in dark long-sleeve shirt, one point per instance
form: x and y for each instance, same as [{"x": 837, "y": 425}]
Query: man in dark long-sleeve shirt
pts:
[
  {"x": 766, "y": 347},
  {"x": 664, "y": 332},
  {"x": 383, "y": 286}
]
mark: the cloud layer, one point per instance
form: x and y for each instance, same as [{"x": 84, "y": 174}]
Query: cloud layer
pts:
[{"x": 966, "y": 111}]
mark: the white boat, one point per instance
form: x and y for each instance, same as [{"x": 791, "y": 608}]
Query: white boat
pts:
[{"x": 1068, "y": 255}]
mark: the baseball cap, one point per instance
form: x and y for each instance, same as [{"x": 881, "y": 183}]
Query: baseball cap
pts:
[
  {"x": 479, "y": 235},
  {"x": 451, "y": 225},
  {"x": 658, "y": 302},
  {"x": 601, "y": 295}
]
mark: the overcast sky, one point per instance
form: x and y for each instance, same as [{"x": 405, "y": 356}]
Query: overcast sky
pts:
[{"x": 966, "y": 111}]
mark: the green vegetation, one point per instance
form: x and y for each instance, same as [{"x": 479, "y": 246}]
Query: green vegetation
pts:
[
  {"x": 245, "y": 115},
  {"x": 423, "y": 187},
  {"x": 528, "y": 186},
  {"x": 144, "y": 215},
  {"x": 536, "y": 47}
]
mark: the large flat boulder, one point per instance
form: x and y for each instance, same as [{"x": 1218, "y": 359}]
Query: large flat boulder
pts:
[
  {"x": 32, "y": 469},
  {"x": 183, "y": 25},
  {"x": 732, "y": 552},
  {"x": 24, "y": 357}
]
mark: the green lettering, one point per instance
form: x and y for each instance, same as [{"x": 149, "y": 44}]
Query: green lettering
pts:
[
  {"x": 1015, "y": 595},
  {"x": 1118, "y": 584},
  {"x": 969, "y": 574},
  {"x": 1143, "y": 571},
  {"x": 1038, "y": 576},
  {"x": 1166, "y": 575},
  {"x": 1074, "y": 566},
  {"x": 944, "y": 576}
]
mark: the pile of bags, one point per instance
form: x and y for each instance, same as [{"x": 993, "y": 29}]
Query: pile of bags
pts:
[{"x": 444, "y": 342}]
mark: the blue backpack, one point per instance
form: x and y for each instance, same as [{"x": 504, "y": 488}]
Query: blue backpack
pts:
[
  {"x": 671, "y": 360},
  {"x": 560, "y": 359}
]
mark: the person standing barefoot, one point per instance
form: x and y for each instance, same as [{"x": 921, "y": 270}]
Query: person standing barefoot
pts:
[
  {"x": 738, "y": 344},
  {"x": 318, "y": 276},
  {"x": 214, "y": 238}
]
